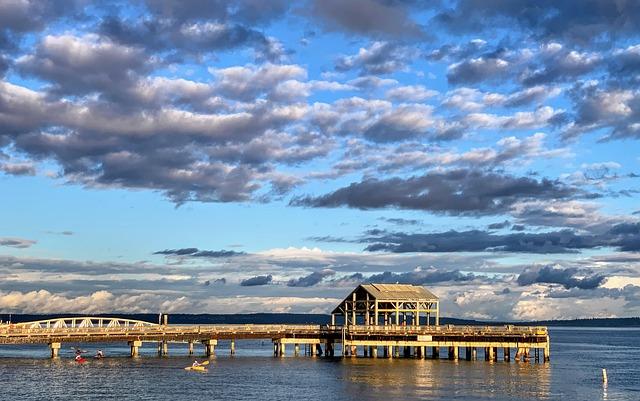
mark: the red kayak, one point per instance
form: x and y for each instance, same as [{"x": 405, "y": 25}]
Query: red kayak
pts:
[{"x": 81, "y": 360}]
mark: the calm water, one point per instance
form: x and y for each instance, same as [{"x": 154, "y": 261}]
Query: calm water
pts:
[{"x": 574, "y": 373}]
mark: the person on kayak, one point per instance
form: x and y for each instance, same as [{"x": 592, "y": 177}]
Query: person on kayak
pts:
[
  {"x": 99, "y": 354},
  {"x": 196, "y": 364},
  {"x": 79, "y": 357}
]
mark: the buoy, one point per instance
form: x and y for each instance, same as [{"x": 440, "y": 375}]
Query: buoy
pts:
[{"x": 604, "y": 375}]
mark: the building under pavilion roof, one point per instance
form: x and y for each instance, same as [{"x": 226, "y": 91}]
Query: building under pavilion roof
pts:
[{"x": 388, "y": 304}]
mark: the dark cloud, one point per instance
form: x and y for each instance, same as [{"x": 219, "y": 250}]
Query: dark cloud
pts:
[
  {"x": 257, "y": 280},
  {"x": 104, "y": 66},
  {"x": 16, "y": 242},
  {"x": 422, "y": 277},
  {"x": 373, "y": 18},
  {"x": 480, "y": 241},
  {"x": 624, "y": 237},
  {"x": 518, "y": 227},
  {"x": 197, "y": 253},
  {"x": 456, "y": 192},
  {"x": 565, "y": 277},
  {"x": 311, "y": 279},
  {"x": 499, "y": 226},
  {"x": 593, "y": 21},
  {"x": 478, "y": 70},
  {"x": 401, "y": 221}
]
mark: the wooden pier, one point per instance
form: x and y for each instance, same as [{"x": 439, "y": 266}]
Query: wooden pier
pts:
[
  {"x": 384, "y": 341},
  {"x": 377, "y": 321}
]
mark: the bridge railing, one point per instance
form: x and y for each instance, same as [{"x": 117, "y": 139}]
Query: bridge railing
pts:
[{"x": 443, "y": 329}]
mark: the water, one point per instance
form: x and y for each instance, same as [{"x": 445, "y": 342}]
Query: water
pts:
[{"x": 577, "y": 357}]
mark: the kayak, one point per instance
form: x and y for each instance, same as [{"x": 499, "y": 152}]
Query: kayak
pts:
[
  {"x": 81, "y": 360},
  {"x": 196, "y": 368}
]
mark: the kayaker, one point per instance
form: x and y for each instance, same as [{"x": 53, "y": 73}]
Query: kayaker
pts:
[
  {"x": 78, "y": 357},
  {"x": 196, "y": 364},
  {"x": 99, "y": 354}
]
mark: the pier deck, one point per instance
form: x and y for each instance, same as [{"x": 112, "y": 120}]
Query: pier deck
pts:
[{"x": 415, "y": 340}]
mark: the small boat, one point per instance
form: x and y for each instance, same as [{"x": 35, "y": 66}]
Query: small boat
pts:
[
  {"x": 202, "y": 367},
  {"x": 196, "y": 368},
  {"x": 81, "y": 360}
]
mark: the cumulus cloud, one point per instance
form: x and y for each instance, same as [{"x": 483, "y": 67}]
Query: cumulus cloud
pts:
[{"x": 379, "y": 58}]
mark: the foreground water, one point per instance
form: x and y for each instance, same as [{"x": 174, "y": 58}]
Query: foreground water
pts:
[{"x": 577, "y": 357}]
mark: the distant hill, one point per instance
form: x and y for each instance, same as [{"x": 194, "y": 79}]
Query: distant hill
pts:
[{"x": 299, "y": 318}]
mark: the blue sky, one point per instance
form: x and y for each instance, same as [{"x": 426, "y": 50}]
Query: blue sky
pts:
[{"x": 191, "y": 156}]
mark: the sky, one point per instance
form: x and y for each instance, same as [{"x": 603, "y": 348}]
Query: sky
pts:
[{"x": 246, "y": 156}]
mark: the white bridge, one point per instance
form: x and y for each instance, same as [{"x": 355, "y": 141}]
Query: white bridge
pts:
[{"x": 84, "y": 322}]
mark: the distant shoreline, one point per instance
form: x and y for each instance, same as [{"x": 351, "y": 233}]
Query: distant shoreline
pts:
[{"x": 300, "y": 318}]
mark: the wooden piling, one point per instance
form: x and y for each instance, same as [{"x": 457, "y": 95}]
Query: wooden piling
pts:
[
  {"x": 135, "y": 348},
  {"x": 55, "y": 350}
]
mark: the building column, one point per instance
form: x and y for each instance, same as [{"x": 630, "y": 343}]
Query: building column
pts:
[
  {"x": 210, "y": 347},
  {"x": 55, "y": 349},
  {"x": 135, "y": 347}
]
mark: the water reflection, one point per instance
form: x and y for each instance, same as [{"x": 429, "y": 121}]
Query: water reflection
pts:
[{"x": 436, "y": 378}]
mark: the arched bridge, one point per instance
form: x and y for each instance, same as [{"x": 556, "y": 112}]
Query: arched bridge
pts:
[{"x": 85, "y": 322}]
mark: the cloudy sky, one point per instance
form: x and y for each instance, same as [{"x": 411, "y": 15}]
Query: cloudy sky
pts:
[{"x": 247, "y": 156}]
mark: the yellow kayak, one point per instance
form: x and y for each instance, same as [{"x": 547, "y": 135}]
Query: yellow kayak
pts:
[{"x": 196, "y": 368}]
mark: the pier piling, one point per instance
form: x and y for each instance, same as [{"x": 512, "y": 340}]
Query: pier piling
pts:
[{"x": 55, "y": 349}]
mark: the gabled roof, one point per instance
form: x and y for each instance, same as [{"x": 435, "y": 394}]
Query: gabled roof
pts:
[
  {"x": 393, "y": 292},
  {"x": 399, "y": 292}
]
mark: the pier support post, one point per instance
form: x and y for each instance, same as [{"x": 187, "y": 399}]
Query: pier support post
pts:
[
  {"x": 210, "y": 347},
  {"x": 526, "y": 355},
  {"x": 388, "y": 351},
  {"x": 467, "y": 353},
  {"x": 365, "y": 351},
  {"x": 506, "y": 351},
  {"x": 135, "y": 348},
  {"x": 407, "y": 352},
  {"x": 494, "y": 354},
  {"x": 474, "y": 354},
  {"x": 396, "y": 352},
  {"x": 55, "y": 349},
  {"x": 163, "y": 348},
  {"x": 233, "y": 347},
  {"x": 282, "y": 349},
  {"x": 296, "y": 349},
  {"x": 435, "y": 352},
  {"x": 190, "y": 349},
  {"x": 354, "y": 351},
  {"x": 547, "y": 351},
  {"x": 453, "y": 353},
  {"x": 374, "y": 351}
]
